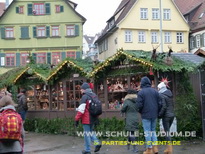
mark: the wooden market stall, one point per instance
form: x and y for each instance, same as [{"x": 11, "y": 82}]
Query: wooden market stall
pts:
[
  {"x": 52, "y": 92},
  {"x": 125, "y": 69}
]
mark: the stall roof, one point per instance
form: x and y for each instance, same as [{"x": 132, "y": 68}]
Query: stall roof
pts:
[
  {"x": 189, "y": 57},
  {"x": 178, "y": 63},
  {"x": 43, "y": 71}
]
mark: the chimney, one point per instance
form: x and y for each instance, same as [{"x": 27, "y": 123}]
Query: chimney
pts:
[{"x": 6, "y": 4}]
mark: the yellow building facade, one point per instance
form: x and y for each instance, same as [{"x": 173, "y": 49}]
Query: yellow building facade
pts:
[{"x": 136, "y": 26}]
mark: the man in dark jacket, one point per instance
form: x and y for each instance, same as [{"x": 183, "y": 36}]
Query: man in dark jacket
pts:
[
  {"x": 166, "y": 112},
  {"x": 87, "y": 120},
  {"x": 22, "y": 104},
  {"x": 148, "y": 102}
]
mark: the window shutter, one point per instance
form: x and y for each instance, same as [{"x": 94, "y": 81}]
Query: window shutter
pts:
[
  {"x": 78, "y": 55},
  {"x": 34, "y": 32},
  {"x": 61, "y": 9},
  {"x": 48, "y": 31},
  {"x": 2, "y": 59},
  {"x": 194, "y": 41},
  {"x": 17, "y": 9},
  {"x": 24, "y": 32},
  {"x": 34, "y": 57},
  {"x": 2, "y": 32},
  {"x": 63, "y": 55},
  {"x": 48, "y": 58},
  {"x": 30, "y": 9},
  {"x": 48, "y": 10},
  {"x": 76, "y": 30},
  {"x": 18, "y": 59}
]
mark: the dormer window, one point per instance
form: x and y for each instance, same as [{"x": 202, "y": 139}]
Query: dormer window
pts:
[{"x": 111, "y": 23}]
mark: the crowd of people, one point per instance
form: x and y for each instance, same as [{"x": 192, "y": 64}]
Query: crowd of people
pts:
[{"x": 152, "y": 104}]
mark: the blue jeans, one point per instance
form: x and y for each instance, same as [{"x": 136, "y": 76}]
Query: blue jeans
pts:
[
  {"x": 149, "y": 126},
  {"x": 89, "y": 135},
  {"x": 23, "y": 115}
]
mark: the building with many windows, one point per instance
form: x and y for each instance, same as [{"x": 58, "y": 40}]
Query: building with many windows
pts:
[
  {"x": 135, "y": 25},
  {"x": 194, "y": 13},
  {"x": 49, "y": 30}
]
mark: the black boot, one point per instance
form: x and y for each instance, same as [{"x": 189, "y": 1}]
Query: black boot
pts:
[
  {"x": 97, "y": 148},
  {"x": 85, "y": 152}
]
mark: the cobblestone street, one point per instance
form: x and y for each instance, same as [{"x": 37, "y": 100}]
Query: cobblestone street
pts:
[{"x": 62, "y": 144}]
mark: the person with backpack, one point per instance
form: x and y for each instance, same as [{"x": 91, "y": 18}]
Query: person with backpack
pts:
[
  {"x": 131, "y": 118},
  {"x": 166, "y": 112},
  {"x": 22, "y": 104},
  {"x": 12, "y": 134},
  {"x": 88, "y": 112}
]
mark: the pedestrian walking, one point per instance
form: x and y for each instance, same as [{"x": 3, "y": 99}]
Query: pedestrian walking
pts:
[
  {"x": 88, "y": 121},
  {"x": 11, "y": 128},
  {"x": 131, "y": 121},
  {"x": 22, "y": 107},
  {"x": 166, "y": 112},
  {"x": 148, "y": 101}
]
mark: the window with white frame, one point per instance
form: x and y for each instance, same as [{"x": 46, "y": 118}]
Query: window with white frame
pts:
[
  {"x": 41, "y": 58},
  {"x": 198, "y": 41},
  {"x": 9, "y": 31},
  {"x": 143, "y": 13},
  {"x": 128, "y": 36},
  {"x": 10, "y": 59},
  {"x": 180, "y": 37},
  {"x": 155, "y": 14},
  {"x": 70, "y": 30},
  {"x": 24, "y": 58},
  {"x": 141, "y": 37},
  {"x": 41, "y": 31},
  {"x": 55, "y": 30},
  {"x": 167, "y": 14},
  {"x": 167, "y": 37},
  {"x": 56, "y": 58},
  {"x": 192, "y": 45},
  {"x": 39, "y": 8},
  {"x": 154, "y": 37}
]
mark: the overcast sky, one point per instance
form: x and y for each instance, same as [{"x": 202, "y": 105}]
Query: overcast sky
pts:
[{"x": 97, "y": 12}]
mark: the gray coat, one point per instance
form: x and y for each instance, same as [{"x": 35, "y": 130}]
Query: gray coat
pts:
[
  {"x": 130, "y": 109},
  {"x": 10, "y": 146},
  {"x": 22, "y": 104}
]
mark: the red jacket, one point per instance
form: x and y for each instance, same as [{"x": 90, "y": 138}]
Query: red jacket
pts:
[
  {"x": 83, "y": 113},
  {"x": 83, "y": 110}
]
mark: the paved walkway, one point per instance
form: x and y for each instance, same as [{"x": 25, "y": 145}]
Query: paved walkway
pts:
[{"x": 64, "y": 144}]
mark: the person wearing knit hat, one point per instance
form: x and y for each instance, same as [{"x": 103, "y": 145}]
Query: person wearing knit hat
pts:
[
  {"x": 85, "y": 86},
  {"x": 166, "y": 112},
  {"x": 87, "y": 120}
]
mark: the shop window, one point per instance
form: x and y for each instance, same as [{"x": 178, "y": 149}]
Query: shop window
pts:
[
  {"x": 38, "y": 97},
  {"x": 57, "y": 97},
  {"x": 56, "y": 58},
  {"x": 117, "y": 90},
  {"x": 73, "y": 93},
  {"x": 71, "y": 54},
  {"x": 10, "y": 59},
  {"x": 41, "y": 58},
  {"x": 24, "y": 58}
]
